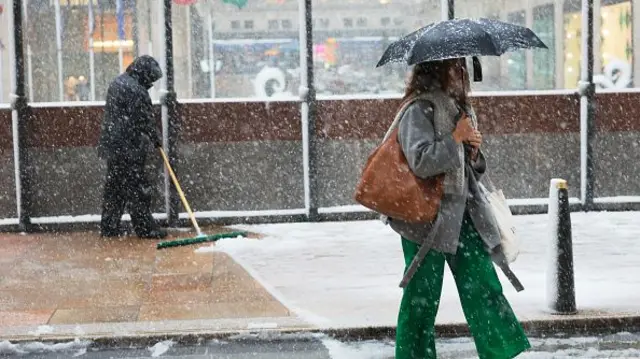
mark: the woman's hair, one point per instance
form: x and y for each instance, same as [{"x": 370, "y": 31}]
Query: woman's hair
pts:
[{"x": 428, "y": 75}]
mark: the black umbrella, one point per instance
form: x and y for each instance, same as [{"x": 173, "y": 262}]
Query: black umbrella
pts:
[{"x": 460, "y": 38}]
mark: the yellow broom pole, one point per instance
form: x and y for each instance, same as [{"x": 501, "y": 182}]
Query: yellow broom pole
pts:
[{"x": 180, "y": 193}]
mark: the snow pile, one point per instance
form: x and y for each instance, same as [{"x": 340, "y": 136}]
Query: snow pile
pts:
[
  {"x": 160, "y": 348},
  {"x": 6, "y": 347},
  {"x": 78, "y": 346}
]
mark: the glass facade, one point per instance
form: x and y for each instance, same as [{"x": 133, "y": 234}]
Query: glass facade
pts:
[
  {"x": 73, "y": 50},
  {"x": 544, "y": 64},
  {"x": 516, "y": 61}
]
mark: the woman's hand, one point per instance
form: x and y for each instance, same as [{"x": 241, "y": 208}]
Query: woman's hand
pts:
[
  {"x": 475, "y": 142},
  {"x": 475, "y": 139},
  {"x": 464, "y": 131}
]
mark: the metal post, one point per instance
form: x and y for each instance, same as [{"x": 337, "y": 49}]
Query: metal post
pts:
[
  {"x": 560, "y": 286},
  {"x": 308, "y": 111},
  {"x": 170, "y": 107},
  {"x": 61, "y": 93},
  {"x": 20, "y": 111},
  {"x": 587, "y": 91}
]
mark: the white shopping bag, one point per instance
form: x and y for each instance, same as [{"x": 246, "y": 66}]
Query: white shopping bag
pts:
[{"x": 506, "y": 224}]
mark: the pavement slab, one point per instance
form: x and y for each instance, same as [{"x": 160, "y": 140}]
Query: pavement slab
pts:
[{"x": 79, "y": 278}]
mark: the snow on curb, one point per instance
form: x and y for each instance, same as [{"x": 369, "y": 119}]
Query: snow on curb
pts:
[
  {"x": 161, "y": 347},
  {"x": 77, "y": 345}
]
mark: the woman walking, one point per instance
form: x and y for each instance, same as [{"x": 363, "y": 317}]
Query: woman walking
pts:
[{"x": 438, "y": 135}]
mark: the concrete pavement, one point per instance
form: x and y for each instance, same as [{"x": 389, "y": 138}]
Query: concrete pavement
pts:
[{"x": 79, "y": 279}]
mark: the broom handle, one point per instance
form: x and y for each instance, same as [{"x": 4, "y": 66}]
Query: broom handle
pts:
[{"x": 180, "y": 193}]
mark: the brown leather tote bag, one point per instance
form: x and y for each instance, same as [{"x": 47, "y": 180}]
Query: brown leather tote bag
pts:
[{"x": 388, "y": 186}]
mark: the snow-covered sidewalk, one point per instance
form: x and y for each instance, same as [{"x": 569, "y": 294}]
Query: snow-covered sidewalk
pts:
[{"x": 346, "y": 274}]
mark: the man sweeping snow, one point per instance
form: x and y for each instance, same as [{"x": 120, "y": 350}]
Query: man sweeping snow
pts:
[{"x": 128, "y": 132}]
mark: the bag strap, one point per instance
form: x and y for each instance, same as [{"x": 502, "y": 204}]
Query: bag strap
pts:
[{"x": 396, "y": 121}]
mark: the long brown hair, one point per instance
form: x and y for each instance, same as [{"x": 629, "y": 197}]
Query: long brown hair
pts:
[{"x": 427, "y": 75}]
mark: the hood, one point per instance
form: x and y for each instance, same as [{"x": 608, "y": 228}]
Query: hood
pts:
[{"x": 146, "y": 70}]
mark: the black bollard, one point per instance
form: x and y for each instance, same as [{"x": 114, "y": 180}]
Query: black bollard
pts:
[{"x": 561, "y": 296}]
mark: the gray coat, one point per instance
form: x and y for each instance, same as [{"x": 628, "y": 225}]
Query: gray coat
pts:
[{"x": 425, "y": 135}]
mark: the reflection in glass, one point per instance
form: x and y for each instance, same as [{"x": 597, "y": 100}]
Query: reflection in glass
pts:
[{"x": 223, "y": 51}]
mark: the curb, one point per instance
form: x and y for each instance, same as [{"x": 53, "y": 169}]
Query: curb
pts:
[{"x": 534, "y": 328}]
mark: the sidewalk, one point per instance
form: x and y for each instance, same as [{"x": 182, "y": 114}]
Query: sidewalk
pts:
[
  {"x": 79, "y": 282},
  {"x": 347, "y": 274},
  {"x": 298, "y": 276}
]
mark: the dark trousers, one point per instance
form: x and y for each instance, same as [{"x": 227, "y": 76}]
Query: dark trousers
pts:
[{"x": 126, "y": 187}]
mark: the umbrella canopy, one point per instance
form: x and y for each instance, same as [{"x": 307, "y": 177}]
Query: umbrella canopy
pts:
[{"x": 460, "y": 38}]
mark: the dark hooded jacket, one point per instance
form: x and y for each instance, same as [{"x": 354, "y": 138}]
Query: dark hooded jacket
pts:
[{"x": 128, "y": 125}]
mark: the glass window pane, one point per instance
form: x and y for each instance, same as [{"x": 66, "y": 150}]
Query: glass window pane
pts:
[
  {"x": 516, "y": 61},
  {"x": 617, "y": 131},
  {"x": 493, "y": 77},
  {"x": 557, "y": 67},
  {"x": 6, "y": 52},
  {"x": 544, "y": 66},
  {"x": 572, "y": 40},
  {"x": 62, "y": 71},
  {"x": 255, "y": 49},
  {"x": 8, "y": 205},
  {"x": 353, "y": 36},
  {"x": 614, "y": 61}
]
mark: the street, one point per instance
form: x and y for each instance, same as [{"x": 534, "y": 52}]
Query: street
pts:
[{"x": 621, "y": 345}]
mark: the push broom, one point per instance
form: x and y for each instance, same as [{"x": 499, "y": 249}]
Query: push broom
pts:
[{"x": 200, "y": 237}]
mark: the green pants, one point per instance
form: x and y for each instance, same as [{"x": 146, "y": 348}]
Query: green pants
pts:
[{"x": 495, "y": 329}]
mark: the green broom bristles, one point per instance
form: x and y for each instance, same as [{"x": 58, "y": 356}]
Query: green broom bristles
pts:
[{"x": 194, "y": 240}]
